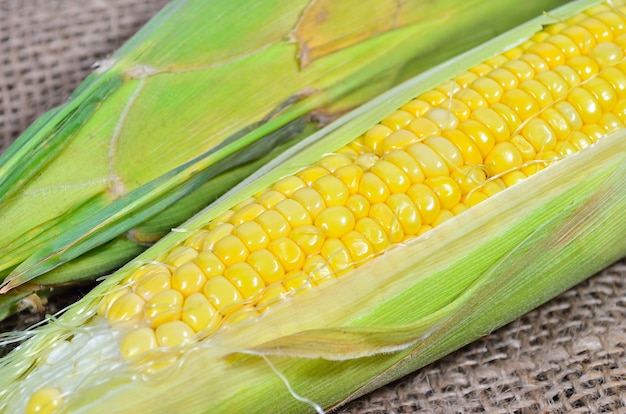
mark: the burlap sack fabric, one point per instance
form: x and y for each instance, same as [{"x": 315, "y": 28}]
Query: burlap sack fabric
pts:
[{"x": 567, "y": 356}]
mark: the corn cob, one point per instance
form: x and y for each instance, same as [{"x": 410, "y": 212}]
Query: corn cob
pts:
[
  {"x": 457, "y": 154},
  {"x": 185, "y": 68}
]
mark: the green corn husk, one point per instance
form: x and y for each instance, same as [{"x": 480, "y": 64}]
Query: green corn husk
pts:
[
  {"x": 204, "y": 87},
  {"x": 402, "y": 310}
]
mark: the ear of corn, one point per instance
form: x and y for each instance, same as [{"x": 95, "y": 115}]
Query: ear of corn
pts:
[
  {"x": 288, "y": 294},
  {"x": 216, "y": 77}
]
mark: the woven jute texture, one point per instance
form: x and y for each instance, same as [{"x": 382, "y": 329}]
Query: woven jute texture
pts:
[{"x": 567, "y": 356}]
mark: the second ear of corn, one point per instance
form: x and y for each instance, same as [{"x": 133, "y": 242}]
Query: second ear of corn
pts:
[{"x": 470, "y": 203}]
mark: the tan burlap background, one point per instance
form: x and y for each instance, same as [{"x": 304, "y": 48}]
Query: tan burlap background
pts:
[{"x": 567, "y": 356}]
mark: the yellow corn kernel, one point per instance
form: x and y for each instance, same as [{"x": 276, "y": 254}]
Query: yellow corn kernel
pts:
[
  {"x": 443, "y": 216},
  {"x": 405, "y": 212},
  {"x": 287, "y": 252},
  {"x": 221, "y": 293},
  {"x": 216, "y": 234},
  {"x": 520, "y": 69},
  {"x": 209, "y": 263},
  {"x": 468, "y": 177},
  {"x": 287, "y": 185},
  {"x": 416, "y": 107},
  {"x": 337, "y": 256},
  {"x": 446, "y": 189},
  {"x": 335, "y": 221},
  {"x": 375, "y": 136},
  {"x": 503, "y": 158},
  {"x": 311, "y": 200},
  {"x": 274, "y": 224},
  {"x": 471, "y": 98},
  {"x": 426, "y": 201},
  {"x": 251, "y": 234},
  {"x": 358, "y": 247},
  {"x": 496, "y": 124},
  {"x": 393, "y": 177},
  {"x": 350, "y": 175},
  {"x": 557, "y": 123},
  {"x": 333, "y": 191},
  {"x": 603, "y": 93},
  {"x": 420, "y": 127},
  {"x": 358, "y": 205},
  {"x": 446, "y": 150},
  {"x": 433, "y": 97},
  {"x": 164, "y": 307},
  {"x": 480, "y": 134},
  {"x": 488, "y": 88},
  {"x": 137, "y": 342},
  {"x": 198, "y": 313},
  {"x": 44, "y": 401},
  {"x": 521, "y": 102},
  {"x": 312, "y": 173},
  {"x": 180, "y": 255},
  {"x": 173, "y": 333},
  {"x": 428, "y": 160},
  {"x": 188, "y": 278},
  {"x": 269, "y": 198},
  {"x": 333, "y": 161},
  {"x": 126, "y": 308},
  {"x": 373, "y": 188},
  {"x": 373, "y": 233},
  {"x": 469, "y": 150},
  {"x": 154, "y": 280},
  {"x": 616, "y": 78},
  {"x": 296, "y": 281},
  {"x": 457, "y": 108},
  {"x": 247, "y": 281},
  {"x": 269, "y": 267},
  {"x": 443, "y": 118},
  {"x": 564, "y": 44},
  {"x": 397, "y": 119},
  {"x": 505, "y": 78},
  {"x": 293, "y": 211},
  {"x": 246, "y": 213},
  {"x": 538, "y": 91}
]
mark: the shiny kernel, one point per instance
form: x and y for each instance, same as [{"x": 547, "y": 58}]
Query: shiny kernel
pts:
[
  {"x": 480, "y": 134},
  {"x": 496, "y": 124},
  {"x": 593, "y": 131},
  {"x": 565, "y": 148},
  {"x": 216, "y": 234},
  {"x": 416, "y": 107},
  {"x": 385, "y": 217},
  {"x": 431, "y": 163},
  {"x": 434, "y": 97},
  {"x": 180, "y": 255},
  {"x": 616, "y": 78},
  {"x": 552, "y": 55},
  {"x": 496, "y": 61},
  {"x": 584, "y": 40},
  {"x": 196, "y": 240},
  {"x": 210, "y": 264},
  {"x": 535, "y": 62},
  {"x": 247, "y": 281},
  {"x": 373, "y": 188},
  {"x": 188, "y": 278},
  {"x": 443, "y": 216},
  {"x": 312, "y": 173},
  {"x": 358, "y": 247},
  {"x": 337, "y": 256},
  {"x": 403, "y": 137},
  {"x": 44, "y": 401},
  {"x": 568, "y": 74},
  {"x": 539, "y": 134},
  {"x": 524, "y": 147},
  {"x": 521, "y": 102},
  {"x": 599, "y": 30},
  {"x": 493, "y": 187},
  {"x": 488, "y": 88},
  {"x": 570, "y": 113},
  {"x": 350, "y": 175},
  {"x": 457, "y": 108},
  {"x": 267, "y": 265},
  {"x": 375, "y": 136},
  {"x": 358, "y": 205},
  {"x": 611, "y": 123},
  {"x": 333, "y": 161},
  {"x": 231, "y": 250},
  {"x": 164, "y": 307},
  {"x": 620, "y": 110},
  {"x": 557, "y": 86},
  {"x": 297, "y": 281},
  {"x": 126, "y": 308},
  {"x": 468, "y": 177},
  {"x": 311, "y": 200},
  {"x": 555, "y": 27},
  {"x": 447, "y": 151},
  {"x": 247, "y": 213},
  {"x": 294, "y": 212},
  {"x": 152, "y": 282},
  {"x": 335, "y": 221},
  {"x": 465, "y": 78},
  {"x": 443, "y": 118},
  {"x": 475, "y": 197},
  {"x": 174, "y": 333},
  {"x": 397, "y": 119},
  {"x": 198, "y": 313},
  {"x": 513, "y": 177},
  {"x": 288, "y": 253},
  {"x": 557, "y": 122},
  {"x": 538, "y": 91},
  {"x": 221, "y": 293},
  {"x": 612, "y": 20},
  {"x": 269, "y": 198},
  {"x": 607, "y": 54},
  {"x": 505, "y": 78},
  {"x": 137, "y": 342},
  {"x": 252, "y": 235},
  {"x": 426, "y": 201},
  {"x": 373, "y": 233},
  {"x": 365, "y": 161},
  {"x": 446, "y": 189},
  {"x": 449, "y": 87},
  {"x": 425, "y": 228},
  {"x": 469, "y": 150},
  {"x": 405, "y": 212},
  {"x": 243, "y": 203},
  {"x": 287, "y": 185},
  {"x": 308, "y": 238},
  {"x": 481, "y": 69},
  {"x": 471, "y": 98},
  {"x": 271, "y": 295},
  {"x": 579, "y": 140},
  {"x": 421, "y": 127},
  {"x": 584, "y": 66},
  {"x": 332, "y": 189},
  {"x": 317, "y": 269},
  {"x": 504, "y": 157},
  {"x": 566, "y": 45},
  {"x": 520, "y": 69},
  {"x": 274, "y": 224},
  {"x": 393, "y": 177},
  {"x": 585, "y": 104},
  {"x": 406, "y": 164},
  {"x": 603, "y": 93}
]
